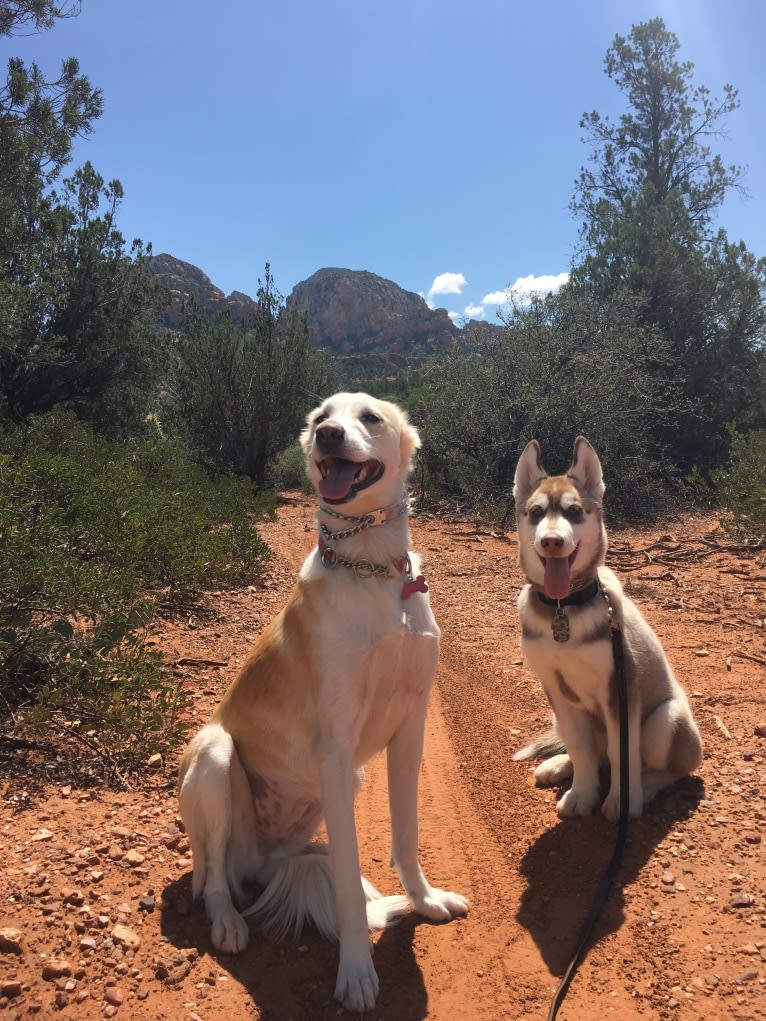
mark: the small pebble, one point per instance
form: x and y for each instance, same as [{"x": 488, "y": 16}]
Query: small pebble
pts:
[
  {"x": 10, "y": 940},
  {"x": 55, "y": 968},
  {"x": 127, "y": 937},
  {"x": 114, "y": 995},
  {"x": 740, "y": 900},
  {"x": 747, "y": 976}
]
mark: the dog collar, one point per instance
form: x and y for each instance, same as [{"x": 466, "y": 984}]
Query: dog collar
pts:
[
  {"x": 380, "y": 516},
  {"x": 366, "y": 569},
  {"x": 578, "y": 598},
  {"x": 375, "y": 517}
]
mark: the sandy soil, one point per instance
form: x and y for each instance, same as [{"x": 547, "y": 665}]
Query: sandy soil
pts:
[{"x": 96, "y": 915}]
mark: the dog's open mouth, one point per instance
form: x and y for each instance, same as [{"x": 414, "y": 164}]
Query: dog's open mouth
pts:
[
  {"x": 557, "y": 577},
  {"x": 342, "y": 479}
]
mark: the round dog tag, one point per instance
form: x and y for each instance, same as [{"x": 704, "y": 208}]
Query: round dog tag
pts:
[{"x": 328, "y": 557}]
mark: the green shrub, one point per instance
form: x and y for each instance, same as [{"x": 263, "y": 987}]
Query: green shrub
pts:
[
  {"x": 92, "y": 537},
  {"x": 288, "y": 470},
  {"x": 560, "y": 367},
  {"x": 741, "y": 486}
]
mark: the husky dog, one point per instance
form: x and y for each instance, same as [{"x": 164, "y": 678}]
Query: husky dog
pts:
[
  {"x": 565, "y": 638},
  {"x": 343, "y": 672}
]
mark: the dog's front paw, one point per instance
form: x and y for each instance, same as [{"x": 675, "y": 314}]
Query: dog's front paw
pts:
[
  {"x": 357, "y": 984},
  {"x": 441, "y": 905},
  {"x": 229, "y": 932},
  {"x": 611, "y": 806},
  {"x": 577, "y": 801}
]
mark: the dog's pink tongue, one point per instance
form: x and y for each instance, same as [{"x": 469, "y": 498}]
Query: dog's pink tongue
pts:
[
  {"x": 556, "y": 579},
  {"x": 338, "y": 480}
]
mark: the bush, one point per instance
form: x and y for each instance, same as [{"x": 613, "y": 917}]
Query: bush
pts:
[
  {"x": 561, "y": 367},
  {"x": 92, "y": 537},
  {"x": 288, "y": 470},
  {"x": 741, "y": 487},
  {"x": 240, "y": 391}
]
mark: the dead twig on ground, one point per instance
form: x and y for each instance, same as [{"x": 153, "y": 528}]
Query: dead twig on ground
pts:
[
  {"x": 722, "y": 727},
  {"x": 668, "y": 551},
  {"x": 749, "y": 655},
  {"x": 196, "y": 661}
]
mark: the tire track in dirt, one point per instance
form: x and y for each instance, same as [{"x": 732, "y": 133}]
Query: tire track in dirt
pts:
[{"x": 463, "y": 964}]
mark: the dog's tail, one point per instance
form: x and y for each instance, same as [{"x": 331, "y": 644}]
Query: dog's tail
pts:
[
  {"x": 541, "y": 747},
  {"x": 301, "y": 890}
]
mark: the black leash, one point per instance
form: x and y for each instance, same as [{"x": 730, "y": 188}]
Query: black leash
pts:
[{"x": 602, "y": 890}]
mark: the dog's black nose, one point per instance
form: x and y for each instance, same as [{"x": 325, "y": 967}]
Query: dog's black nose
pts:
[
  {"x": 329, "y": 437},
  {"x": 552, "y": 543}
]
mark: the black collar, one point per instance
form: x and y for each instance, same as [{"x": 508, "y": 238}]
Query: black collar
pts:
[{"x": 583, "y": 595}]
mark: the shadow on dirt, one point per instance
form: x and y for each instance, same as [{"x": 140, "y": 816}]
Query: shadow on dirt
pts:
[
  {"x": 289, "y": 982},
  {"x": 565, "y": 864}
]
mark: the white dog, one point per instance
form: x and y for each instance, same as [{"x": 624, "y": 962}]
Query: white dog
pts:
[
  {"x": 341, "y": 673},
  {"x": 565, "y": 638}
]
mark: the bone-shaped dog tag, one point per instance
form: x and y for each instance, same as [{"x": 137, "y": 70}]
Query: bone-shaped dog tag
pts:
[{"x": 414, "y": 585}]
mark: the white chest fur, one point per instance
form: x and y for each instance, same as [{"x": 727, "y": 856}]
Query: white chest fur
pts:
[{"x": 578, "y": 669}]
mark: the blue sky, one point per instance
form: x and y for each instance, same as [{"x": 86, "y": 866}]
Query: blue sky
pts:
[{"x": 433, "y": 142}]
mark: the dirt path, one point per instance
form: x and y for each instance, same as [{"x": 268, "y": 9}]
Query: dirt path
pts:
[{"x": 97, "y": 884}]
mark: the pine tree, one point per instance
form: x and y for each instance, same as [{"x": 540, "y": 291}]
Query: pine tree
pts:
[{"x": 648, "y": 201}]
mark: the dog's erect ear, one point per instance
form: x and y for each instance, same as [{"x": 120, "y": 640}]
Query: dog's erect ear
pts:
[
  {"x": 585, "y": 470},
  {"x": 529, "y": 472},
  {"x": 409, "y": 442},
  {"x": 306, "y": 436}
]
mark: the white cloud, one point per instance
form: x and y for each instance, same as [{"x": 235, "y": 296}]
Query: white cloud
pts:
[
  {"x": 474, "y": 311},
  {"x": 524, "y": 287},
  {"x": 447, "y": 283},
  {"x": 495, "y": 298}
]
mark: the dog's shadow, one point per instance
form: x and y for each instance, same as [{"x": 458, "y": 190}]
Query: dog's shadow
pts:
[
  {"x": 286, "y": 981},
  {"x": 564, "y": 866}
]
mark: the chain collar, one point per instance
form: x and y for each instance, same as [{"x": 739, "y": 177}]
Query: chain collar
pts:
[
  {"x": 366, "y": 569},
  {"x": 376, "y": 517},
  {"x": 361, "y": 568}
]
